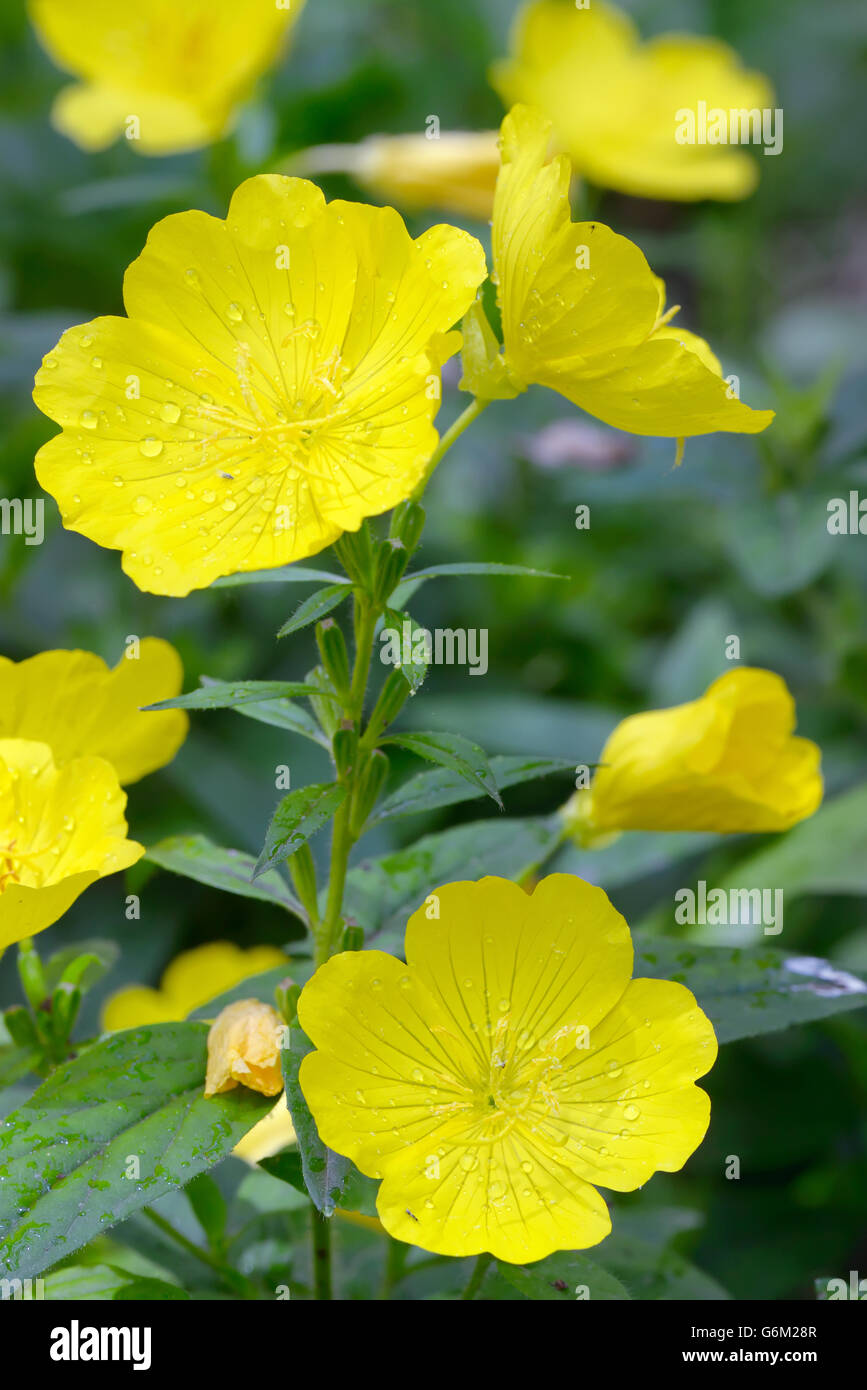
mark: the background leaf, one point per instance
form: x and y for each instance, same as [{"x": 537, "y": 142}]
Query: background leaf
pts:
[{"x": 195, "y": 856}]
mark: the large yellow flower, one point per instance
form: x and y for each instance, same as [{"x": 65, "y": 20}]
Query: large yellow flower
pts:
[
  {"x": 584, "y": 314},
  {"x": 73, "y": 702},
  {"x": 614, "y": 101},
  {"x": 167, "y": 74},
  {"x": 189, "y": 981},
  {"x": 61, "y": 828},
  {"x": 727, "y": 762},
  {"x": 506, "y": 1069},
  {"x": 274, "y": 384}
]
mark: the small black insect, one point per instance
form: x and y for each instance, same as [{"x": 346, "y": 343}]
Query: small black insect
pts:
[{"x": 411, "y": 1213}]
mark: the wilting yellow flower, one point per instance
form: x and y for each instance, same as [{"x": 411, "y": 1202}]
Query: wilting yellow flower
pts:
[
  {"x": 169, "y": 75},
  {"x": 74, "y": 703},
  {"x": 244, "y": 1049},
  {"x": 584, "y": 314},
  {"x": 190, "y": 980},
  {"x": 456, "y": 172},
  {"x": 274, "y": 384},
  {"x": 506, "y": 1069},
  {"x": 615, "y": 101},
  {"x": 61, "y": 828},
  {"x": 726, "y": 762}
]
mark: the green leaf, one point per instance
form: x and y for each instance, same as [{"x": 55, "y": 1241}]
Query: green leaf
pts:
[
  {"x": 107, "y": 953},
  {"x": 66, "y": 1152},
  {"x": 196, "y": 857},
  {"x": 85, "y": 1282},
  {"x": 410, "y": 582},
  {"x": 299, "y": 815},
  {"x": 415, "y": 670},
  {"x": 283, "y": 574},
  {"x": 430, "y": 790},
  {"x": 229, "y": 694},
  {"x": 780, "y": 544},
  {"x": 316, "y": 607},
  {"x": 825, "y": 854},
  {"x": 150, "y": 1291},
  {"x": 381, "y": 894},
  {"x": 653, "y": 1273},
  {"x": 358, "y": 1192},
  {"x": 209, "y": 1206},
  {"x": 16, "y": 1062},
  {"x": 561, "y": 1276},
  {"x": 454, "y": 752},
  {"x": 746, "y": 991},
  {"x": 326, "y": 1174},
  {"x": 280, "y": 714}
]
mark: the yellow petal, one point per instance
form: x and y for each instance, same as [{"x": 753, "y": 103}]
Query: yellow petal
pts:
[
  {"x": 73, "y": 702},
  {"x": 628, "y": 1105},
  {"x": 137, "y": 1006},
  {"x": 196, "y": 976},
  {"x": 581, "y": 308},
  {"x": 274, "y": 384},
  {"x": 64, "y": 828},
  {"x": 179, "y": 70},
  {"x": 727, "y": 762},
  {"x": 270, "y": 1136},
  {"x": 457, "y": 172},
  {"x": 614, "y": 101}
]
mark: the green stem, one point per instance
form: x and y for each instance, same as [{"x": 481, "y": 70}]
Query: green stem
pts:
[
  {"x": 321, "y": 1231},
  {"x": 395, "y": 1263},
  {"x": 479, "y": 1271},
  {"x": 454, "y": 432},
  {"x": 230, "y": 1276}
]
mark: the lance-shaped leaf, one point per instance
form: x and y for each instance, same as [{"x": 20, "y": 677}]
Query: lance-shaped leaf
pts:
[
  {"x": 454, "y": 752},
  {"x": 564, "y": 1277},
  {"x": 229, "y": 694},
  {"x": 197, "y": 857},
  {"x": 283, "y": 574},
  {"x": 411, "y": 582},
  {"x": 299, "y": 815},
  {"x": 429, "y": 790},
  {"x": 328, "y": 1177},
  {"x": 316, "y": 607},
  {"x": 752, "y": 990},
  {"x": 66, "y": 1170}
]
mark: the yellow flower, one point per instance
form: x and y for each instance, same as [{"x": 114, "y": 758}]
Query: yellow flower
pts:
[
  {"x": 270, "y": 1136},
  {"x": 74, "y": 703},
  {"x": 726, "y": 762},
  {"x": 584, "y": 314},
  {"x": 190, "y": 980},
  {"x": 61, "y": 828},
  {"x": 273, "y": 385},
  {"x": 615, "y": 101},
  {"x": 169, "y": 75},
  {"x": 509, "y": 1067},
  {"x": 456, "y": 172},
  {"x": 244, "y": 1049}
]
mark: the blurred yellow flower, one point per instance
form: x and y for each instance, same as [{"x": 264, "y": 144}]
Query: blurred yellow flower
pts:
[
  {"x": 191, "y": 979},
  {"x": 270, "y": 1136},
  {"x": 455, "y": 172},
  {"x": 61, "y": 828},
  {"x": 728, "y": 762},
  {"x": 614, "y": 101},
  {"x": 244, "y": 1049},
  {"x": 74, "y": 703},
  {"x": 506, "y": 1069},
  {"x": 583, "y": 313},
  {"x": 167, "y": 75},
  {"x": 274, "y": 384}
]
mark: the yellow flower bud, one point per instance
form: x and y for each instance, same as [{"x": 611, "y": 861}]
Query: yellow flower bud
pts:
[
  {"x": 244, "y": 1049},
  {"x": 728, "y": 762}
]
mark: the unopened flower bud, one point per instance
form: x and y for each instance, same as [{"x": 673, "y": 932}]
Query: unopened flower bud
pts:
[{"x": 244, "y": 1049}]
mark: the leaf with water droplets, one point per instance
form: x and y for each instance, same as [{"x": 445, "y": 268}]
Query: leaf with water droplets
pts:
[
  {"x": 454, "y": 752},
  {"x": 316, "y": 607},
  {"x": 228, "y": 694},
  {"x": 112, "y": 1131},
  {"x": 299, "y": 815},
  {"x": 330, "y": 1179}
]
